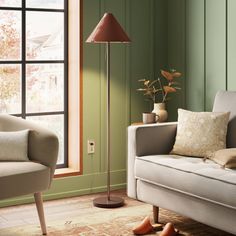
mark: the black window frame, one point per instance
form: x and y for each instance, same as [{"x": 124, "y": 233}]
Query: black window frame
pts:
[{"x": 24, "y": 62}]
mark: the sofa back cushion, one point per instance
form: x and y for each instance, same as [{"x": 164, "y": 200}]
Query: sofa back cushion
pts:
[{"x": 226, "y": 101}]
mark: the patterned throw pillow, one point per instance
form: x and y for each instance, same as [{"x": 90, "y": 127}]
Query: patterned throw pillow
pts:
[
  {"x": 200, "y": 134},
  {"x": 225, "y": 157}
]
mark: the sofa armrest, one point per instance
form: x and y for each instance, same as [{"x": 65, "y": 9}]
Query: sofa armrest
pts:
[
  {"x": 42, "y": 144},
  {"x": 147, "y": 140}
]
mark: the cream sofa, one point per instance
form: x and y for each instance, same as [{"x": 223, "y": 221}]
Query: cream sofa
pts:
[
  {"x": 200, "y": 190},
  {"x": 34, "y": 176}
]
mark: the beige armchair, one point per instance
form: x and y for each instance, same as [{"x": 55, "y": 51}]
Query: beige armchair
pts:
[{"x": 34, "y": 176}]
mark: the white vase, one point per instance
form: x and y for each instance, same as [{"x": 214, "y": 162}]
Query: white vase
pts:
[{"x": 160, "y": 110}]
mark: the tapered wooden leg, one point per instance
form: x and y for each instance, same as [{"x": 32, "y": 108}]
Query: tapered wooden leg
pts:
[
  {"x": 155, "y": 214},
  {"x": 39, "y": 205}
]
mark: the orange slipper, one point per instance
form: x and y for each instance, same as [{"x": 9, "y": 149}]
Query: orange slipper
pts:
[
  {"x": 146, "y": 227},
  {"x": 169, "y": 230}
]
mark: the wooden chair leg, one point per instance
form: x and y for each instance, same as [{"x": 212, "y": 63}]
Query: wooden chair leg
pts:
[
  {"x": 155, "y": 214},
  {"x": 39, "y": 205}
]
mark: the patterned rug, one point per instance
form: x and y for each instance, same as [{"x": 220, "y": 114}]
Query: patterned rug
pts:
[{"x": 91, "y": 221}]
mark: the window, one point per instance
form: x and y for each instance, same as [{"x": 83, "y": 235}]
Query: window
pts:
[{"x": 34, "y": 64}]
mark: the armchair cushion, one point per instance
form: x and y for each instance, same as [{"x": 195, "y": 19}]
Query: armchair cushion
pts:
[
  {"x": 42, "y": 145},
  {"x": 200, "y": 133},
  {"x": 20, "y": 178},
  {"x": 14, "y": 146}
]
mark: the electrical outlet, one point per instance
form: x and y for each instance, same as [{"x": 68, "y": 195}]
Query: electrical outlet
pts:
[{"x": 90, "y": 146}]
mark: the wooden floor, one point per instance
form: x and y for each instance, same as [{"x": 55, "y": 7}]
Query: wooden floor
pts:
[
  {"x": 78, "y": 217},
  {"x": 54, "y": 210}
]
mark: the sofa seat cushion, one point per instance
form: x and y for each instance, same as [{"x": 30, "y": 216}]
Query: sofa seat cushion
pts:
[
  {"x": 20, "y": 178},
  {"x": 192, "y": 176}
]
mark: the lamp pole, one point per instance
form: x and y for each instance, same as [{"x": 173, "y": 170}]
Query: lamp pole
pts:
[
  {"x": 108, "y": 201},
  {"x": 108, "y": 121}
]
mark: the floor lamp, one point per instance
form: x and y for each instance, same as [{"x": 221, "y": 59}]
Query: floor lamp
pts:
[{"x": 108, "y": 31}]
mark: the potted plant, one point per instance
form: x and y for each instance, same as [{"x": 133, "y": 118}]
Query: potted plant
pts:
[{"x": 157, "y": 92}]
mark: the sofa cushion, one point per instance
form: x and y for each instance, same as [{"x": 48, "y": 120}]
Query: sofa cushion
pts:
[
  {"x": 191, "y": 176},
  {"x": 200, "y": 133},
  {"x": 19, "y": 178}
]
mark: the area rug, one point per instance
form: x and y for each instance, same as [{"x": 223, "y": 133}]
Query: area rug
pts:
[{"x": 91, "y": 221}]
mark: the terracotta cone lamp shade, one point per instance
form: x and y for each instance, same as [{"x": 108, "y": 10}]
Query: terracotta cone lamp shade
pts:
[{"x": 108, "y": 31}]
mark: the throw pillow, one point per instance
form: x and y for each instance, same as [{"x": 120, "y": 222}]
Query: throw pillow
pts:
[
  {"x": 200, "y": 133},
  {"x": 14, "y": 146},
  {"x": 224, "y": 157}
]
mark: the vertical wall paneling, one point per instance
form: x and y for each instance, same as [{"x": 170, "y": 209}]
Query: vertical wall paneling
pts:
[
  {"x": 160, "y": 36},
  {"x": 215, "y": 49},
  {"x": 204, "y": 89},
  {"x": 102, "y": 74},
  {"x": 151, "y": 35},
  {"x": 127, "y": 63},
  {"x": 176, "y": 51},
  {"x": 91, "y": 88},
  {"x": 231, "y": 45},
  {"x": 140, "y": 55},
  {"x": 219, "y": 50},
  {"x": 195, "y": 55},
  {"x": 226, "y": 44}
]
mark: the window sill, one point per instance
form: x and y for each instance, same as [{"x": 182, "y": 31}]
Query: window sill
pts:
[{"x": 64, "y": 172}]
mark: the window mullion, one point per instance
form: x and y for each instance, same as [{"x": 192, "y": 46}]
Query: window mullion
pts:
[
  {"x": 23, "y": 66},
  {"x": 66, "y": 82}
]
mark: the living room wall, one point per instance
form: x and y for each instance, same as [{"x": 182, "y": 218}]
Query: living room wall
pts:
[
  {"x": 129, "y": 63},
  {"x": 210, "y": 51},
  {"x": 196, "y": 37},
  {"x": 201, "y": 42}
]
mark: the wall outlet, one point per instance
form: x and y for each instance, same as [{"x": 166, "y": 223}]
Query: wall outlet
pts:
[{"x": 90, "y": 146}]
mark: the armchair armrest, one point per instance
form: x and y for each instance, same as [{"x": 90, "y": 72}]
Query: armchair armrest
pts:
[
  {"x": 42, "y": 143},
  {"x": 147, "y": 140}
]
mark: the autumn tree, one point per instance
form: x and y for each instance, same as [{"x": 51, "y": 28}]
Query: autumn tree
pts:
[{"x": 9, "y": 50}]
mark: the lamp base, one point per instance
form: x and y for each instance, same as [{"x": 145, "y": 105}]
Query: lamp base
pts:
[{"x": 103, "y": 202}]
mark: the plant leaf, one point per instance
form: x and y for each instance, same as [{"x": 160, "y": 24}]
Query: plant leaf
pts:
[
  {"x": 169, "y": 89},
  {"x": 167, "y": 75},
  {"x": 176, "y": 74}
]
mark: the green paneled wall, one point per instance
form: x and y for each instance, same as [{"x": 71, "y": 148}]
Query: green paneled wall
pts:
[
  {"x": 231, "y": 45},
  {"x": 195, "y": 68},
  {"x": 215, "y": 60},
  {"x": 176, "y": 52},
  {"x": 210, "y": 50}
]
